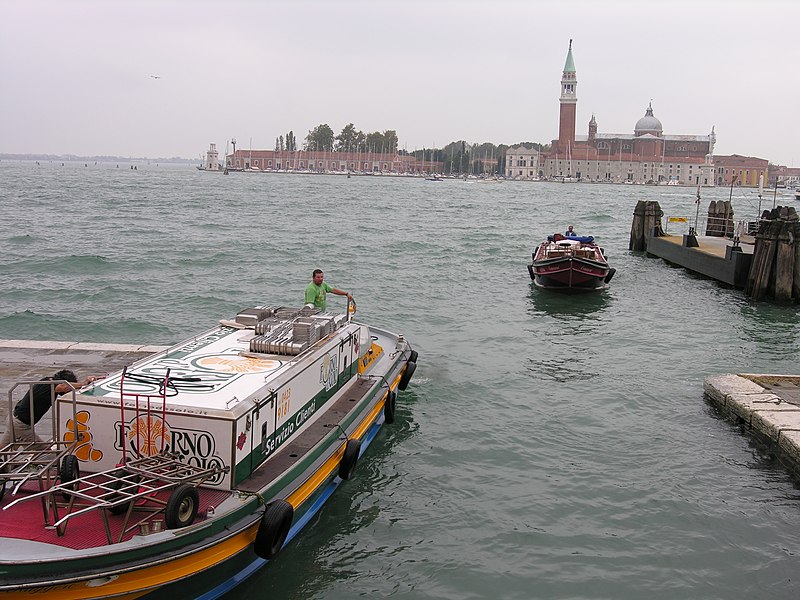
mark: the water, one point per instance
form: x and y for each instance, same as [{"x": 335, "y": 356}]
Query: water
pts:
[{"x": 548, "y": 447}]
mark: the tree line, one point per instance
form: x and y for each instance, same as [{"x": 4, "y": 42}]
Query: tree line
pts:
[{"x": 456, "y": 157}]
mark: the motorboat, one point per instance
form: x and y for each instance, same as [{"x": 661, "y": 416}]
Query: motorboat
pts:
[
  {"x": 185, "y": 472},
  {"x": 570, "y": 264}
]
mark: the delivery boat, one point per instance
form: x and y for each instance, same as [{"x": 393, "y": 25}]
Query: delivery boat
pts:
[
  {"x": 185, "y": 472},
  {"x": 570, "y": 264}
]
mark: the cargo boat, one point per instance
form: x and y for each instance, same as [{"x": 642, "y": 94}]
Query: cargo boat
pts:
[
  {"x": 185, "y": 472},
  {"x": 570, "y": 264}
]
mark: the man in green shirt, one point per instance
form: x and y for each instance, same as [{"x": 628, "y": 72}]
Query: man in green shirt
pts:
[{"x": 317, "y": 289}]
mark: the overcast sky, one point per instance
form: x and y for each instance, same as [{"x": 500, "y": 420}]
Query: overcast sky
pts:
[{"x": 77, "y": 75}]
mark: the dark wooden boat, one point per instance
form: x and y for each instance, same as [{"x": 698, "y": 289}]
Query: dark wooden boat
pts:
[{"x": 574, "y": 264}]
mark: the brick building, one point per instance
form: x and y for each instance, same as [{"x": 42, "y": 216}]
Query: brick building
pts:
[
  {"x": 330, "y": 162},
  {"x": 645, "y": 156}
]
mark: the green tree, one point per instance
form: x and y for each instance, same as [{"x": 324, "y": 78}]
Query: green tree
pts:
[
  {"x": 350, "y": 140},
  {"x": 291, "y": 143},
  {"x": 390, "y": 141},
  {"x": 375, "y": 142},
  {"x": 320, "y": 138}
]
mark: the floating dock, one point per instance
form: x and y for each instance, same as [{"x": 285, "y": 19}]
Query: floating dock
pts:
[
  {"x": 714, "y": 257},
  {"x": 30, "y": 360},
  {"x": 768, "y": 406}
]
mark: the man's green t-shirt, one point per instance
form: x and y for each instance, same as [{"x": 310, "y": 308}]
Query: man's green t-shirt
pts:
[{"x": 315, "y": 294}]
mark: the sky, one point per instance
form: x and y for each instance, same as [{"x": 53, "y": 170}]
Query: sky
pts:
[{"x": 79, "y": 76}]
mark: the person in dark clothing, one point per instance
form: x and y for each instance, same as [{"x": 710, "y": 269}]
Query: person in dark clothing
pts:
[{"x": 19, "y": 422}]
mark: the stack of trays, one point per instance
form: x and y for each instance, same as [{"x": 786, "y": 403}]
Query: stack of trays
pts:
[{"x": 305, "y": 329}]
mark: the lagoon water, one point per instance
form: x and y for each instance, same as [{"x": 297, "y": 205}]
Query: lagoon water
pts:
[{"x": 548, "y": 447}]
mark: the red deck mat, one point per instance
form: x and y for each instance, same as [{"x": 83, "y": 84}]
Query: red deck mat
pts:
[{"x": 25, "y": 520}]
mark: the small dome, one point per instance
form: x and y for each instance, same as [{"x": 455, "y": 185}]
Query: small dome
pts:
[{"x": 648, "y": 123}]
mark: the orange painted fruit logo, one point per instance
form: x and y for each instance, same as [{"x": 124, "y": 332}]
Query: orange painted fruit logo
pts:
[
  {"x": 84, "y": 450},
  {"x": 237, "y": 364}
]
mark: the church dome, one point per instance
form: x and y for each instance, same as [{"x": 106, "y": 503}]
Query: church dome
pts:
[{"x": 648, "y": 123}]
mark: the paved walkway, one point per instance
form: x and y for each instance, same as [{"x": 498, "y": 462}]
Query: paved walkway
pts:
[
  {"x": 768, "y": 405},
  {"x": 26, "y": 360},
  {"x": 713, "y": 245}
]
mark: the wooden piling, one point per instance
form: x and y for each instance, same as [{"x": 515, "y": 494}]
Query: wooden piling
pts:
[
  {"x": 646, "y": 222},
  {"x": 775, "y": 270}
]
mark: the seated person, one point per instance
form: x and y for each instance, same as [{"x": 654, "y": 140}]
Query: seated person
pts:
[{"x": 570, "y": 232}]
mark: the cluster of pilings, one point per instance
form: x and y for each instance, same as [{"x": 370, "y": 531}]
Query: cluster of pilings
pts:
[
  {"x": 646, "y": 220},
  {"x": 720, "y": 218},
  {"x": 775, "y": 270}
]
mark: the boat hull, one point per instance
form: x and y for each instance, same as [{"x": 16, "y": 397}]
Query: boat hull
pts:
[{"x": 570, "y": 268}]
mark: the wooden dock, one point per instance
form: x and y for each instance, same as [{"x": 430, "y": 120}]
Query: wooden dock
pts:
[
  {"x": 768, "y": 406},
  {"x": 30, "y": 360}
]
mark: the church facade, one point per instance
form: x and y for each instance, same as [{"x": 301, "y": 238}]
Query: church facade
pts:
[{"x": 648, "y": 155}]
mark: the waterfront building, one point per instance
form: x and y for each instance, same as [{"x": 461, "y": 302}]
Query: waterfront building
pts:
[
  {"x": 783, "y": 176},
  {"x": 330, "y": 162},
  {"x": 645, "y": 156},
  {"x": 741, "y": 170},
  {"x": 522, "y": 163}
]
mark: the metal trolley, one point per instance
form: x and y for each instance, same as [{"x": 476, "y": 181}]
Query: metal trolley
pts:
[{"x": 153, "y": 482}]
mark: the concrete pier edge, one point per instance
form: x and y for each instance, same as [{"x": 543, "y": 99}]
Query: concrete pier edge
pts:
[
  {"x": 91, "y": 346},
  {"x": 768, "y": 413}
]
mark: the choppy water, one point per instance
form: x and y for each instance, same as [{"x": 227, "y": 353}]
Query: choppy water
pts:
[{"x": 548, "y": 447}]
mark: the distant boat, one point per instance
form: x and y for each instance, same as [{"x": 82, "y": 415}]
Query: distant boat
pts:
[{"x": 797, "y": 194}]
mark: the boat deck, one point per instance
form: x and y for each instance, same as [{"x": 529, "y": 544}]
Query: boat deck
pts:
[{"x": 25, "y": 521}]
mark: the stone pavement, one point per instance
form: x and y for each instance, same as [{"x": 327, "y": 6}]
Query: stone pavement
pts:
[{"x": 31, "y": 360}]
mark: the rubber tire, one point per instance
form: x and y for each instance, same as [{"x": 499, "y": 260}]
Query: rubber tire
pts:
[
  {"x": 389, "y": 407},
  {"x": 349, "y": 459},
  {"x": 70, "y": 471},
  {"x": 273, "y": 529},
  {"x": 121, "y": 508},
  {"x": 182, "y": 506},
  {"x": 413, "y": 356},
  {"x": 530, "y": 272},
  {"x": 407, "y": 375},
  {"x": 609, "y": 275}
]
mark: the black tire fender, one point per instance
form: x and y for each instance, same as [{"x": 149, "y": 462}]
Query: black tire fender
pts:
[
  {"x": 407, "y": 375},
  {"x": 610, "y": 274},
  {"x": 413, "y": 356},
  {"x": 349, "y": 459},
  {"x": 70, "y": 471},
  {"x": 273, "y": 529},
  {"x": 182, "y": 506},
  {"x": 530, "y": 272},
  {"x": 389, "y": 406}
]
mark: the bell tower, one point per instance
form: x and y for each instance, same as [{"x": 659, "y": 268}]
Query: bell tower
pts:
[{"x": 568, "y": 101}]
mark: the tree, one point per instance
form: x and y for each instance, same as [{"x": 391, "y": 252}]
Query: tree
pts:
[
  {"x": 390, "y": 141},
  {"x": 291, "y": 143},
  {"x": 282, "y": 145},
  {"x": 320, "y": 138},
  {"x": 279, "y": 143},
  {"x": 349, "y": 140},
  {"x": 375, "y": 142}
]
